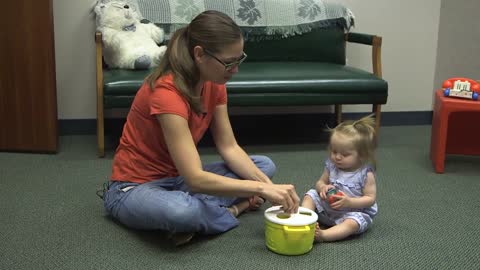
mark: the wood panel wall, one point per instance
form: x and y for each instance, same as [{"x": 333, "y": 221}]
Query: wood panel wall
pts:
[{"x": 28, "y": 103}]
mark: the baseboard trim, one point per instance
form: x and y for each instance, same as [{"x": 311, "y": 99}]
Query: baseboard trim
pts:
[{"x": 275, "y": 122}]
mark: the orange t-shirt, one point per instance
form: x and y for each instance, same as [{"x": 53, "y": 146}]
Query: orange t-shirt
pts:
[{"x": 142, "y": 154}]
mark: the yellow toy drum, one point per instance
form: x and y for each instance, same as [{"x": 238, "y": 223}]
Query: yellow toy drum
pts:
[{"x": 290, "y": 234}]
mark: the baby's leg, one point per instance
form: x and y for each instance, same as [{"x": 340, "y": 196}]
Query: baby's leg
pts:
[
  {"x": 312, "y": 201},
  {"x": 308, "y": 203},
  {"x": 337, "y": 232}
]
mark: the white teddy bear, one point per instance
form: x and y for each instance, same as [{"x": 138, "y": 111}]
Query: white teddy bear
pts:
[{"x": 127, "y": 42}]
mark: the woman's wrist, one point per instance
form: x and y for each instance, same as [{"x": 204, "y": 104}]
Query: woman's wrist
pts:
[{"x": 260, "y": 189}]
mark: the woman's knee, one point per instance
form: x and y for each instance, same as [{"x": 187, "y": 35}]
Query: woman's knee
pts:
[
  {"x": 158, "y": 218},
  {"x": 265, "y": 164},
  {"x": 183, "y": 215}
]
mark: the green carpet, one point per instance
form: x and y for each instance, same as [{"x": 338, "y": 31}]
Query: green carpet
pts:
[{"x": 52, "y": 219}]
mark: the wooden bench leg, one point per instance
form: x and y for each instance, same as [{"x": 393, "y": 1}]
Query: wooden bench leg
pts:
[
  {"x": 338, "y": 113},
  {"x": 100, "y": 117},
  {"x": 376, "y": 108},
  {"x": 100, "y": 136}
]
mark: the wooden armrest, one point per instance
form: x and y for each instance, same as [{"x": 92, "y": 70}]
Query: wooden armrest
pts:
[
  {"x": 375, "y": 42},
  {"x": 99, "y": 63}
]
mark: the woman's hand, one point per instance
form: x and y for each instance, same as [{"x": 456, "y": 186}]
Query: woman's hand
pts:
[
  {"x": 284, "y": 195},
  {"x": 323, "y": 191}
]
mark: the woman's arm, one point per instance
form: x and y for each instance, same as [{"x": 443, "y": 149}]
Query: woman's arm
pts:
[
  {"x": 187, "y": 161},
  {"x": 227, "y": 146}
]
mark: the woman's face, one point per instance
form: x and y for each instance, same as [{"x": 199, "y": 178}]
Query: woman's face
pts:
[{"x": 219, "y": 67}]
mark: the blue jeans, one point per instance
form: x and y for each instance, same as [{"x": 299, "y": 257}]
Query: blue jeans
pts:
[{"x": 167, "y": 204}]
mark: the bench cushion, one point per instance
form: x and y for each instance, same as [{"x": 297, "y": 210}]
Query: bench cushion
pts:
[
  {"x": 272, "y": 84},
  {"x": 304, "y": 83},
  {"x": 120, "y": 86}
]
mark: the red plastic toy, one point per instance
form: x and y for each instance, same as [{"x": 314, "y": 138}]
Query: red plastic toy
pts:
[
  {"x": 461, "y": 87},
  {"x": 333, "y": 191}
]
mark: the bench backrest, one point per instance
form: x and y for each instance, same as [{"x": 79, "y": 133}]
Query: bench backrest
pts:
[
  {"x": 319, "y": 45},
  {"x": 324, "y": 45}
]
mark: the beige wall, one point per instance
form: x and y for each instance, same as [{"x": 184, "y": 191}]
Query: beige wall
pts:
[
  {"x": 75, "y": 58},
  {"x": 409, "y": 29},
  {"x": 458, "y": 53}
]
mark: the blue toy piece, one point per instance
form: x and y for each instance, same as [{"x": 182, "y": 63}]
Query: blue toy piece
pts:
[
  {"x": 475, "y": 96},
  {"x": 446, "y": 92}
]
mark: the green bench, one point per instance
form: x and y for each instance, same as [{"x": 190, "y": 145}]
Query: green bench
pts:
[{"x": 308, "y": 69}]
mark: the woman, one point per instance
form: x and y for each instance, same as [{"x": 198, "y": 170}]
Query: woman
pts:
[{"x": 158, "y": 180}]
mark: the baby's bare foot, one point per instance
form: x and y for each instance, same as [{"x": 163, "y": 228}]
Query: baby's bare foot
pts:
[{"x": 318, "y": 233}]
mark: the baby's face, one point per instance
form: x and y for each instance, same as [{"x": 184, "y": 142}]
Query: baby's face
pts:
[{"x": 343, "y": 153}]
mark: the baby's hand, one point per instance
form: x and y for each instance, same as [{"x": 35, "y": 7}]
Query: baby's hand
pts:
[
  {"x": 323, "y": 191},
  {"x": 340, "y": 201}
]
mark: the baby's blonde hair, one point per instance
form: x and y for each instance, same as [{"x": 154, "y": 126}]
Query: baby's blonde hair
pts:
[{"x": 363, "y": 135}]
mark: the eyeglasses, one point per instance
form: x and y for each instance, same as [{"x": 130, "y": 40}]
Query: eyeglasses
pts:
[{"x": 228, "y": 66}]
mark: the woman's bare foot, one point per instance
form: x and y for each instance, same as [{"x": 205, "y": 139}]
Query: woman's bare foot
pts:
[
  {"x": 181, "y": 238},
  {"x": 233, "y": 210},
  {"x": 238, "y": 208},
  {"x": 253, "y": 203}
]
